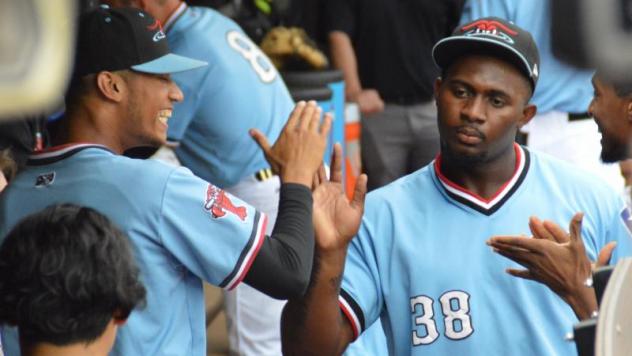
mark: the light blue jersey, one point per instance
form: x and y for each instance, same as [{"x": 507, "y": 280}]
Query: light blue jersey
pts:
[
  {"x": 561, "y": 87},
  {"x": 183, "y": 230},
  {"x": 420, "y": 262},
  {"x": 239, "y": 89}
]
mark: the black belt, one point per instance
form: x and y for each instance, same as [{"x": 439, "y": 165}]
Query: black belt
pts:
[
  {"x": 264, "y": 174},
  {"x": 577, "y": 116}
]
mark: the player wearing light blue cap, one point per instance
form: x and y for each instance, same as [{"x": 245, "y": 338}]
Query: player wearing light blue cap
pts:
[{"x": 183, "y": 229}]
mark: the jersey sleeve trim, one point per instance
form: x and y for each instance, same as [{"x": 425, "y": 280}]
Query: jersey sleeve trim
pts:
[
  {"x": 352, "y": 311},
  {"x": 249, "y": 252}
]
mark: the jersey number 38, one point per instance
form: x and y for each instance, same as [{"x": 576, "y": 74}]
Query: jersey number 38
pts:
[{"x": 455, "y": 307}]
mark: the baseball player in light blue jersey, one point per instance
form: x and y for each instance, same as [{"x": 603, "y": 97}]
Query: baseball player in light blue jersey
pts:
[
  {"x": 420, "y": 263},
  {"x": 240, "y": 89},
  {"x": 183, "y": 229}
]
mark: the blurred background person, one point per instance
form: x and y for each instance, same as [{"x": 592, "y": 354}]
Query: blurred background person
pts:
[{"x": 384, "y": 49}]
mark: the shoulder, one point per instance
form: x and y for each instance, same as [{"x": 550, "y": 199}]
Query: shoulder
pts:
[
  {"x": 393, "y": 204},
  {"x": 571, "y": 182},
  {"x": 203, "y": 20},
  {"x": 403, "y": 189}
]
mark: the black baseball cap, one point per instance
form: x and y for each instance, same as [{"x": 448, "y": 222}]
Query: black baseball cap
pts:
[
  {"x": 111, "y": 39},
  {"x": 491, "y": 36}
]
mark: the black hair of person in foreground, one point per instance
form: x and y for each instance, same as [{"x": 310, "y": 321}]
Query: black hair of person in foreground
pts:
[{"x": 68, "y": 280}]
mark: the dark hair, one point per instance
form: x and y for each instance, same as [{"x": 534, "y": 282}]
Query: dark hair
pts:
[
  {"x": 65, "y": 272},
  {"x": 8, "y": 167}
]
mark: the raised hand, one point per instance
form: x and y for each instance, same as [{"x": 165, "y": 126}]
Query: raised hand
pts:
[
  {"x": 299, "y": 150},
  {"x": 554, "y": 258},
  {"x": 336, "y": 218}
]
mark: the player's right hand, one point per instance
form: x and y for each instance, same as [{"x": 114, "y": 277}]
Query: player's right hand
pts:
[
  {"x": 369, "y": 101},
  {"x": 299, "y": 150},
  {"x": 336, "y": 218}
]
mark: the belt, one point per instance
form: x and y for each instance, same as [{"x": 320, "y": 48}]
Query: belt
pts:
[
  {"x": 264, "y": 174},
  {"x": 577, "y": 116}
]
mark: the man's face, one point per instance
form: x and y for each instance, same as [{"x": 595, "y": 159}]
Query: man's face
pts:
[
  {"x": 149, "y": 104},
  {"x": 611, "y": 115},
  {"x": 481, "y": 103}
]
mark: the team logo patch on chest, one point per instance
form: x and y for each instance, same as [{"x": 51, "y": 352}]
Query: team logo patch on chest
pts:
[
  {"x": 218, "y": 204},
  {"x": 44, "y": 180}
]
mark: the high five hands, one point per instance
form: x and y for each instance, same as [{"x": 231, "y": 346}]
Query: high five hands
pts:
[
  {"x": 298, "y": 152},
  {"x": 556, "y": 259},
  {"x": 336, "y": 218}
]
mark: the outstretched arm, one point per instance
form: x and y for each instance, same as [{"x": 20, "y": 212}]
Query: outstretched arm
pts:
[
  {"x": 556, "y": 259},
  {"x": 284, "y": 263},
  {"x": 313, "y": 324}
]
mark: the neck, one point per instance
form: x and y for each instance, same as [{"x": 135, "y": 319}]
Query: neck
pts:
[
  {"x": 99, "y": 347},
  {"x": 163, "y": 12},
  {"x": 481, "y": 178},
  {"x": 85, "y": 125}
]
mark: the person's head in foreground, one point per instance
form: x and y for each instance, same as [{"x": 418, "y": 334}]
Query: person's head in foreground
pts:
[
  {"x": 611, "y": 108},
  {"x": 67, "y": 281},
  {"x": 121, "y": 94},
  {"x": 489, "y": 72}
]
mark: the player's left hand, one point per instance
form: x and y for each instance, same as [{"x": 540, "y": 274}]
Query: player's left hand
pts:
[
  {"x": 555, "y": 258},
  {"x": 336, "y": 218}
]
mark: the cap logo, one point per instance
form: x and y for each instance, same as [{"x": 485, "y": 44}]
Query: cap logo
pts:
[
  {"x": 158, "y": 35},
  {"x": 490, "y": 29}
]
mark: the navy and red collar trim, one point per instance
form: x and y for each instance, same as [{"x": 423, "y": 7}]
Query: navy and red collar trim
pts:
[
  {"x": 475, "y": 201},
  {"x": 57, "y": 153}
]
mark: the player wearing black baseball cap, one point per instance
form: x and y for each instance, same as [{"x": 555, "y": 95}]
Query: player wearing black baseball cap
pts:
[{"x": 419, "y": 262}]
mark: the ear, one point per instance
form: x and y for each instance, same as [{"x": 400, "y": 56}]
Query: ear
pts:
[
  {"x": 437, "y": 85},
  {"x": 119, "y": 317},
  {"x": 528, "y": 113},
  {"x": 112, "y": 86},
  {"x": 628, "y": 110}
]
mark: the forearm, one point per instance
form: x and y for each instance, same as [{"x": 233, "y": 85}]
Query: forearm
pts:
[
  {"x": 314, "y": 325},
  {"x": 343, "y": 57},
  {"x": 284, "y": 263}
]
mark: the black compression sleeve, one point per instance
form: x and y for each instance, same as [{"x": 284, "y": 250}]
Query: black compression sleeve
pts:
[{"x": 283, "y": 265}]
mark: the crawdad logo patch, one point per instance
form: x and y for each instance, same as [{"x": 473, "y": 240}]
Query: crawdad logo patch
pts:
[
  {"x": 44, "y": 180},
  {"x": 217, "y": 203}
]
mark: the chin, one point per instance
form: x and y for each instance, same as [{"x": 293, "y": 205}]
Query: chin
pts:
[
  {"x": 614, "y": 153},
  {"x": 463, "y": 155}
]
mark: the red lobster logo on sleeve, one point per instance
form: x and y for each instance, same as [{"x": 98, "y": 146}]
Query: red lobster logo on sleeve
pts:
[{"x": 218, "y": 203}]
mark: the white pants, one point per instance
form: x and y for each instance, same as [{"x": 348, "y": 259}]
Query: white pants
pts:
[
  {"x": 254, "y": 319},
  {"x": 577, "y": 142}
]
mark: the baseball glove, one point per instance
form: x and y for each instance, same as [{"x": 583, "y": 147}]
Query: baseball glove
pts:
[{"x": 283, "y": 44}]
